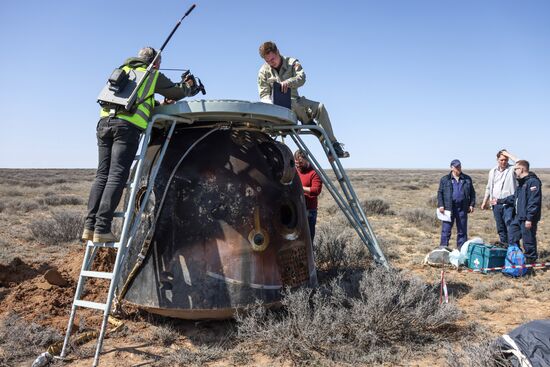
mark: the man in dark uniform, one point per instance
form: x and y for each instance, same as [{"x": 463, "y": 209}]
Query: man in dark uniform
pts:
[
  {"x": 118, "y": 134},
  {"x": 456, "y": 194},
  {"x": 527, "y": 203}
]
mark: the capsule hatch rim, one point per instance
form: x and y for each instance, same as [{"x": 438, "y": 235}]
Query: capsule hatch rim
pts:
[{"x": 259, "y": 114}]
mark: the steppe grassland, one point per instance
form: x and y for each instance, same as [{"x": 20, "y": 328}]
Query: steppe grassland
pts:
[{"x": 41, "y": 213}]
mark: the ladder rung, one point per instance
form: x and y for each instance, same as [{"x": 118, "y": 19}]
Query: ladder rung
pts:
[
  {"x": 89, "y": 304},
  {"x": 119, "y": 214},
  {"x": 104, "y": 244},
  {"x": 97, "y": 274}
]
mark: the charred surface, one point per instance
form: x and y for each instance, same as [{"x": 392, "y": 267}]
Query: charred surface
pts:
[{"x": 232, "y": 229}]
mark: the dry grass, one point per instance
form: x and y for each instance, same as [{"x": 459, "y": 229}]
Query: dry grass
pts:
[
  {"x": 321, "y": 327},
  {"x": 483, "y": 288},
  {"x": 377, "y": 207},
  {"x": 164, "y": 334},
  {"x": 329, "y": 325},
  {"x": 57, "y": 200},
  {"x": 483, "y": 354},
  {"x": 336, "y": 246},
  {"x": 198, "y": 356},
  {"x": 59, "y": 228},
  {"x": 17, "y": 205},
  {"x": 20, "y": 339},
  {"x": 421, "y": 218}
]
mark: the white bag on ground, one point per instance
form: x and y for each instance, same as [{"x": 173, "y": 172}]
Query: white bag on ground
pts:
[{"x": 457, "y": 257}]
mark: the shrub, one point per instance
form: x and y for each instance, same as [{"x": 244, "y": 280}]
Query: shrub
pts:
[
  {"x": 199, "y": 357},
  {"x": 166, "y": 335},
  {"x": 31, "y": 184},
  {"x": 56, "y": 200},
  {"x": 337, "y": 246},
  {"x": 432, "y": 202},
  {"x": 18, "y": 205},
  {"x": 482, "y": 290},
  {"x": 23, "y": 205},
  {"x": 390, "y": 248},
  {"x": 16, "y": 332},
  {"x": 361, "y": 322},
  {"x": 484, "y": 354},
  {"x": 61, "y": 227},
  {"x": 53, "y": 181},
  {"x": 421, "y": 217},
  {"x": 377, "y": 207},
  {"x": 410, "y": 187},
  {"x": 12, "y": 193}
]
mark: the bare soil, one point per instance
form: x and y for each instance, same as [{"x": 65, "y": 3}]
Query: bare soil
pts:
[{"x": 495, "y": 302}]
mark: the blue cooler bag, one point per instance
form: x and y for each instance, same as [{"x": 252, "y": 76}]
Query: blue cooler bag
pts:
[{"x": 482, "y": 256}]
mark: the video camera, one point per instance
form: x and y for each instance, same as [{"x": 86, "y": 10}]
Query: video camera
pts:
[{"x": 197, "y": 84}]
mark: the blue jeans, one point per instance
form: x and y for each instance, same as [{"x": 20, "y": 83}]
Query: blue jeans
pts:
[
  {"x": 460, "y": 216},
  {"x": 503, "y": 218},
  {"x": 529, "y": 236},
  {"x": 312, "y": 220},
  {"x": 117, "y": 143}
]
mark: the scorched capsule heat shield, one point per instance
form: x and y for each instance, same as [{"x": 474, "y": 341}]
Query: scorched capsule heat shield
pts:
[{"x": 232, "y": 227}]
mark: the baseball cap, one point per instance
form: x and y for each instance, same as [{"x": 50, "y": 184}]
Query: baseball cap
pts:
[{"x": 455, "y": 163}]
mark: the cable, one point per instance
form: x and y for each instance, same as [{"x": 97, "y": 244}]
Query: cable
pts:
[{"x": 149, "y": 237}]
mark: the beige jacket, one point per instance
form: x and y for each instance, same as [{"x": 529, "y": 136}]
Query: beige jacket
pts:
[{"x": 290, "y": 71}]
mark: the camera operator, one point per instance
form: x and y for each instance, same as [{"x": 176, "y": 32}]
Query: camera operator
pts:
[{"x": 118, "y": 134}]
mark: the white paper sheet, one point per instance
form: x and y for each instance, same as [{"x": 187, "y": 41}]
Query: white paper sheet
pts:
[{"x": 445, "y": 216}]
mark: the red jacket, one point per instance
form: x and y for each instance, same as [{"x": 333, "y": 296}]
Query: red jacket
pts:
[{"x": 311, "y": 179}]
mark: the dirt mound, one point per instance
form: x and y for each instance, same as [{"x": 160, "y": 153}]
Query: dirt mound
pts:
[
  {"x": 18, "y": 271},
  {"x": 32, "y": 296},
  {"x": 34, "y": 299}
]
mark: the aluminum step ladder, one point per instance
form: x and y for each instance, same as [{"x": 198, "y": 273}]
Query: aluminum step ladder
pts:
[
  {"x": 129, "y": 228},
  {"x": 346, "y": 199}
]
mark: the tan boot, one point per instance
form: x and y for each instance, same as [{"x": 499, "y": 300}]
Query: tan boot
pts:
[
  {"x": 104, "y": 237},
  {"x": 87, "y": 235}
]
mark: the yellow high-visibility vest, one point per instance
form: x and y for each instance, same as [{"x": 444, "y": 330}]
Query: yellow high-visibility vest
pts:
[{"x": 146, "y": 97}]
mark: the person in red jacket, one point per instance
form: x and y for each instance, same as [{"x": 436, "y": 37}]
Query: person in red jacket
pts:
[{"x": 312, "y": 185}]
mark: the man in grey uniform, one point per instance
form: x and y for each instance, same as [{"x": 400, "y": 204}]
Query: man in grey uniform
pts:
[{"x": 289, "y": 73}]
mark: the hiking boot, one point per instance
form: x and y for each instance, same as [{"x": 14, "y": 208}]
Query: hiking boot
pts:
[
  {"x": 104, "y": 237},
  {"x": 87, "y": 235},
  {"x": 340, "y": 152},
  {"x": 530, "y": 272}
]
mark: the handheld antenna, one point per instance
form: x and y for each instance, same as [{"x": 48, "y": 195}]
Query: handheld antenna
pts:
[{"x": 148, "y": 71}]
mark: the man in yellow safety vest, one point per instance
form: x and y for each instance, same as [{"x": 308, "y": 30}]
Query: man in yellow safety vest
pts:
[{"x": 118, "y": 134}]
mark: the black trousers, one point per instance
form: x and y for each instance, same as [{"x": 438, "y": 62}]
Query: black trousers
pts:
[
  {"x": 518, "y": 231},
  {"x": 117, "y": 143}
]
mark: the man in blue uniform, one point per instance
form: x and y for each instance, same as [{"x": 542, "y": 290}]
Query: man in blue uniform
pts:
[{"x": 456, "y": 194}]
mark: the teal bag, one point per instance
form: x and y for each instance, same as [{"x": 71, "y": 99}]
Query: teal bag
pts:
[
  {"x": 483, "y": 256},
  {"x": 514, "y": 257}
]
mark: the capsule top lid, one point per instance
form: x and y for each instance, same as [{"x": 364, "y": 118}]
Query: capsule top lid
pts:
[{"x": 256, "y": 113}]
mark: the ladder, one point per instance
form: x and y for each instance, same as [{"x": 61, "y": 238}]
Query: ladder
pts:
[
  {"x": 348, "y": 202},
  {"x": 129, "y": 228}
]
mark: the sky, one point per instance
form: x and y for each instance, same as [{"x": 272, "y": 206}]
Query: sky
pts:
[{"x": 407, "y": 83}]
